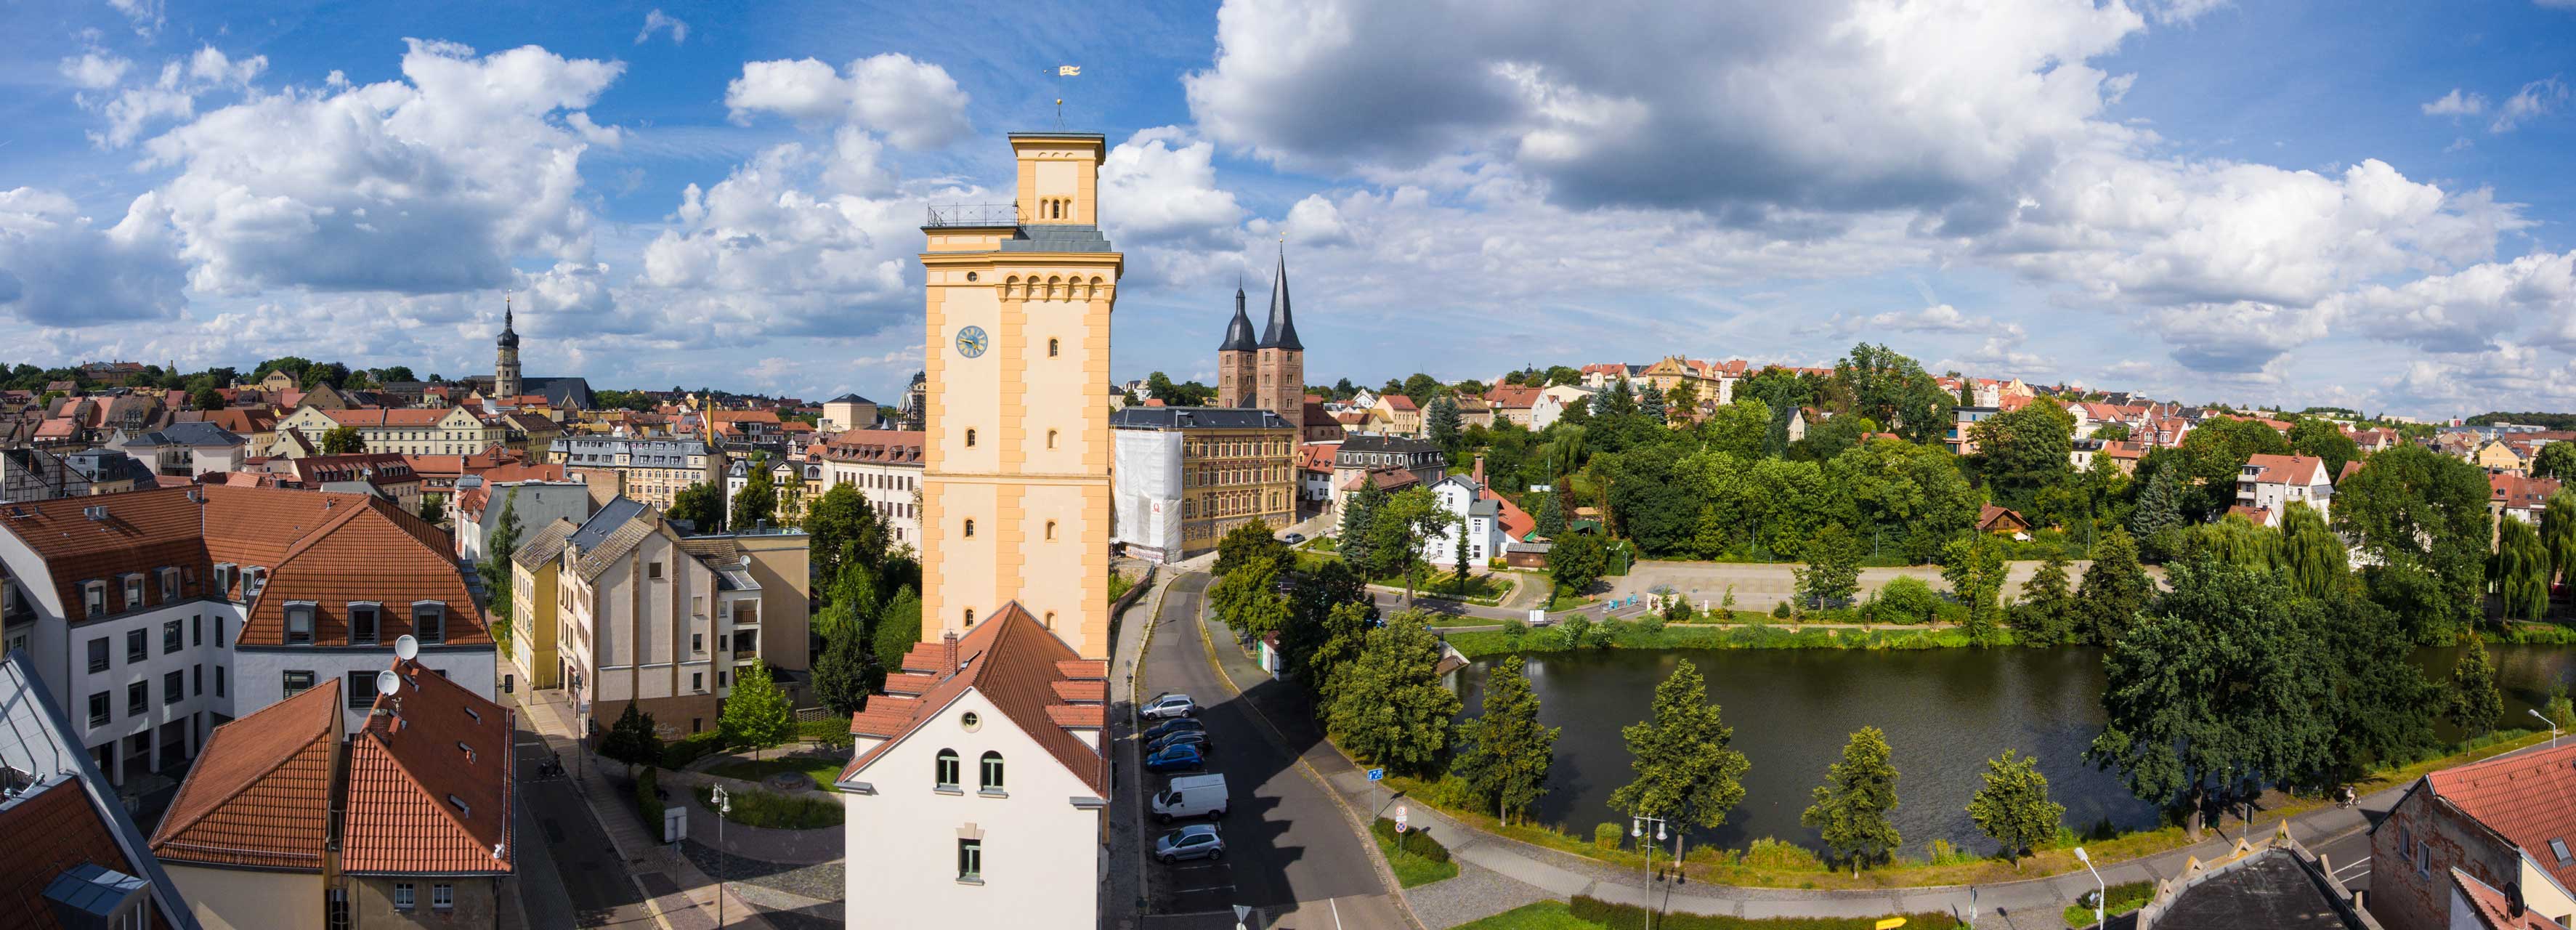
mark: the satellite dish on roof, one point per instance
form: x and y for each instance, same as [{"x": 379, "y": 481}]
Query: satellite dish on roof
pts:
[
  {"x": 406, "y": 648},
  {"x": 387, "y": 682}
]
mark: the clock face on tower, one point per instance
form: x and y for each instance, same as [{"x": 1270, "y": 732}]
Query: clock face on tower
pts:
[{"x": 971, "y": 341}]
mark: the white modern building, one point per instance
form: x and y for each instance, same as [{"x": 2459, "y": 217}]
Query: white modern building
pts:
[
  {"x": 2268, "y": 483},
  {"x": 885, "y": 466}
]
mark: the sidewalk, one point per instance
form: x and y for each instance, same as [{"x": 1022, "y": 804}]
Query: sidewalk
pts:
[
  {"x": 1563, "y": 875},
  {"x": 681, "y": 897}
]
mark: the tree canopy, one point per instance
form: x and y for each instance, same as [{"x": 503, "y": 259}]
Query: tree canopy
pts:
[
  {"x": 1685, "y": 770},
  {"x": 1504, "y": 753}
]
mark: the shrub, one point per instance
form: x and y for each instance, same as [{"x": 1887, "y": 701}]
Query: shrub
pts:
[
  {"x": 1906, "y": 599},
  {"x": 1632, "y": 917},
  {"x": 1654, "y": 623},
  {"x": 1769, "y": 853},
  {"x": 832, "y": 731},
  {"x": 1575, "y": 630},
  {"x": 1606, "y": 835},
  {"x": 775, "y": 811},
  {"x": 632, "y": 739},
  {"x": 648, "y": 798},
  {"x": 680, "y": 752},
  {"x": 1780, "y": 611},
  {"x": 1514, "y": 629},
  {"x": 1602, "y": 634}
]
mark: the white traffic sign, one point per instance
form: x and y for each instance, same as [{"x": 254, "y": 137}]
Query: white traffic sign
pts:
[{"x": 1399, "y": 818}]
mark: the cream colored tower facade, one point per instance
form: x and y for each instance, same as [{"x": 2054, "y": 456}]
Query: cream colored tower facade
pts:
[{"x": 1015, "y": 478}]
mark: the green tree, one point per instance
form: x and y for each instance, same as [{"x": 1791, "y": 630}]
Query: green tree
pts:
[
  {"x": 1248, "y": 601},
  {"x": 1652, "y": 506},
  {"x": 343, "y": 440},
  {"x": 2013, "y": 808},
  {"x": 2416, "y": 511},
  {"x": 2216, "y": 694},
  {"x": 2234, "y": 540},
  {"x": 1391, "y": 709},
  {"x": 1650, "y": 404},
  {"x": 2522, "y": 570},
  {"x": 1906, "y": 599},
  {"x": 632, "y": 739},
  {"x": 757, "y": 501},
  {"x": 1851, "y": 806},
  {"x": 2558, "y": 532},
  {"x": 2019, "y": 452},
  {"x": 841, "y": 528},
  {"x": 499, "y": 544},
  {"x": 850, "y": 603},
  {"x": 845, "y": 673},
  {"x": 701, "y": 505},
  {"x": 2383, "y": 707},
  {"x": 1550, "y": 517},
  {"x": 1574, "y": 563},
  {"x": 205, "y": 398},
  {"x": 2555, "y": 460},
  {"x": 2315, "y": 559},
  {"x": 1423, "y": 388},
  {"x": 2474, "y": 701},
  {"x": 2324, "y": 439},
  {"x": 1686, "y": 771},
  {"x": 1249, "y": 544},
  {"x": 1504, "y": 753},
  {"x": 898, "y": 629},
  {"x": 1338, "y": 639},
  {"x": 1359, "y": 515},
  {"x": 2158, "y": 520},
  {"x": 1682, "y": 401},
  {"x": 1832, "y": 573},
  {"x": 1441, "y": 422},
  {"x": 2114, "y": 590},
  {"x": 2047, "y": 612},
  {"x": 1399, "y": 528},
  {"x": 1741, "y": 429},
  {"x": 1892, "y": 390},
  {"x": 433, "y": 508},
  {"x": 2111, "y": 432},
  {"x": 1974, "y": 567},
  {"x": 756, "y": 715}
]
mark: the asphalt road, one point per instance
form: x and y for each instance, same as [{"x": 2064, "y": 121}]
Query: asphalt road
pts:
[
  {"x": 594, "y": 890},
  {"x": 1286, "y": 840}
]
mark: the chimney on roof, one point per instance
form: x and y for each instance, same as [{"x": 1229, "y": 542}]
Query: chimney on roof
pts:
[
  {"x": 947, "y": 654},
  {"x": 1480, "y": 471}
]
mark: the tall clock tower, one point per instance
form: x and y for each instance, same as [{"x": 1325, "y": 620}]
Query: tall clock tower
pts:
[{"x": 1015, "y": 478}]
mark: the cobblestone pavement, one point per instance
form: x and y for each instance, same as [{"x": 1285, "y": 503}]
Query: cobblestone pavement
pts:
[
  {"x": 789, "y": 895},
  {"x": 1477, "y": 893}
]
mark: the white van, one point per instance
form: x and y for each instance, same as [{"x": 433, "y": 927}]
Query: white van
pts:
[{"x": 1191, "y": 796}]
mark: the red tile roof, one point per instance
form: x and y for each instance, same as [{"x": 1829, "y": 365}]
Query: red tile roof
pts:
[
  {"x": 1319, "y": 456},
  {"x": 2255, "y": 515},
  {"x": 1989, "y": 515},
  {"x": 2302, "y": 470},
  {"x": 51, "y": 832},
  {"x": 1397, "y": 402},
  {"x": 890, "y": 446},
  {"x": 366, "y": 417},
  {"x": 1016, "y": 664},
  {"x": 1511, "y": 397},
  {"x": 2515, "y": 492},
  {"x": 1517, "y": 523},
  {"x": 2494, "y": 910},
  {"x": 429, "y": 785},
  {"x": 2528, "y": 798},
  {"x": 260, "y": 794},
  {"x": 373, "y": 551}
]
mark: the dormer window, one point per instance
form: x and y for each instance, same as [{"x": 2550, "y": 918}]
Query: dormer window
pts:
[
  {"x": 224, "y": 572},
  {"x": 462, "y": 809},
  {"x": 429, "y": 621},
  {"x": 169, "y": 585},
  {"x": 133, "y": 591},
  {"x": 299, "y": 623},
  {"x": 94, "y": 598},
  {"x": 364, "y": 617},
  {"x": 253, "y": 581}
]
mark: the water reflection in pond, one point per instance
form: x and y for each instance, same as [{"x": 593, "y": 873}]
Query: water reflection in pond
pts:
[{"x": 1946, "y": 711}]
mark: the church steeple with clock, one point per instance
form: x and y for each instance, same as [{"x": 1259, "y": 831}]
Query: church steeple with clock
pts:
[{"x": 1015, "y": 479}]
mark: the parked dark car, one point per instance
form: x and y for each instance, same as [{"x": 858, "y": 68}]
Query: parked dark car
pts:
[
  {"x": 1176, "y": 759},
  {"x": 1196, "y": 738},
  {"x": 1169, "y": 727}
]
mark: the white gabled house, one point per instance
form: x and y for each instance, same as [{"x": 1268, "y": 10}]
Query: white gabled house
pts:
[
  {"x": 1489, "y": 521},
  {"x": 977, "y": 785}
]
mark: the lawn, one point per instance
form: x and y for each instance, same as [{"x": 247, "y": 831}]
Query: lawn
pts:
[
  {"x": 778, "y": 812},
  {"x": 823, "y": 769},
  {"x": 1545, "y": 915},
  {"x": 1413, "y": 869}
]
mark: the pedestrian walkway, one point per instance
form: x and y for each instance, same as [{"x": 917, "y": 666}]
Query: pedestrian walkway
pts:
[
  {"x": 1564, "y": 875},
  {"x": 681, "y": 897}
]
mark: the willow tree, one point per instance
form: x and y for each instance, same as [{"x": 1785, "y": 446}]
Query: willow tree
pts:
[
  {"x": 2312, "y": 554},
  {"x": 2558, "y": 532},
  {"x": 2233, "y": 540},
  {"x": 2522, "y": 570}
]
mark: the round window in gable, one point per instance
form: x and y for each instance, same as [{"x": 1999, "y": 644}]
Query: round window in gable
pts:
[
  {"x": 970, "y": 276},
  {"x": 970, "y": 721}
]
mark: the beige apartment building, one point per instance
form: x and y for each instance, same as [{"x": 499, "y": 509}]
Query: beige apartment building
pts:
[
  {"x": 647, "y": 617},
  {"x": 653, "y": 471}
]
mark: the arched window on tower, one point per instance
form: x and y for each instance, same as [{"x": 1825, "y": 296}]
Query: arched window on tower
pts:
[
  {"x": 970, "y": 529},
  {"x": 1054, "y": 347},
  {"x": 1050, "y": 529},
  {"x": 970, "y": 438},
  {"x": 1050, "y": 439}
]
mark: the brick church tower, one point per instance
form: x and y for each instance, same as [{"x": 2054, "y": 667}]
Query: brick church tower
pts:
[{"x": 1270, "y": 372}]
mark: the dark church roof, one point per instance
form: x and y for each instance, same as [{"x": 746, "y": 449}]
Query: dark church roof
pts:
[
  {"x": 1280, "y": 332},
  {"x": 1238, "y": 334},
  {"x": 509, "y": 337}
]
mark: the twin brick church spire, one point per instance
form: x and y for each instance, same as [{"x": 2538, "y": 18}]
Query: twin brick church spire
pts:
[{"x": 1270, "y": 373}]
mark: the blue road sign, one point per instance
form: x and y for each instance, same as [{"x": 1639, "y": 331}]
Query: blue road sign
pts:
[{"x": 1377, "y": 774}]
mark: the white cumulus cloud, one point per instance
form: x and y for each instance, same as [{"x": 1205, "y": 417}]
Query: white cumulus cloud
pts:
[
  {"x": 2456, "y": 103},
  {"x": 657, "y": 21},
  {"x": 913, "y": 104},
  {"x": 59, "y": 269}
]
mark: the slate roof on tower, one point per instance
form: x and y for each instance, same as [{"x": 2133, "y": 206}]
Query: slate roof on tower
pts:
[
  {"x": 1281, "y": 331},
  {"x": 1238, "y": 332}
]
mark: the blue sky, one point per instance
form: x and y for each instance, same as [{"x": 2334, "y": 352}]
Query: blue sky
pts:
[{"x": 2356, "y": 203}]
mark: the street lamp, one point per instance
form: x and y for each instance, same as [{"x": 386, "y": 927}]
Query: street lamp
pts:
[
  {"x": 2101, "y": 892},
  {"x": 2553, "y": 727},
  {"x": 724, "y": 806},
  {"x": 1637, "y": 830}
]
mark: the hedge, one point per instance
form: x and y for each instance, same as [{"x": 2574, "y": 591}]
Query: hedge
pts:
[
  {"x": 1414, "y": 842},
  {"x": 1632, "y": 917},
  {"x": 678, "y": 753}
]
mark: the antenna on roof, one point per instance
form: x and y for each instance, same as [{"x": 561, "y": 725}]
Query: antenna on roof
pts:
[{"x": 405, "y": 648}]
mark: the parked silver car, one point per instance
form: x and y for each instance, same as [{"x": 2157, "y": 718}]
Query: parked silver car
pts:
[
  {"x": 1169, "y": 705},
  {"x": 1196, "y": 841}
]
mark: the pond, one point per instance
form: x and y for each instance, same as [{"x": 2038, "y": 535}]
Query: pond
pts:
[{"x": 1945, "y": 711}]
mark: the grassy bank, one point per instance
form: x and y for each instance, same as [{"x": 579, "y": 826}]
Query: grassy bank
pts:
[
  {"x": 1630, "y": 635},
  {"x": 2122, "y": 899},
  {"x": 823, "y": 769},
  {"x": 1770, "y": 863},
  {"x": 1415, "y": 857}
]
